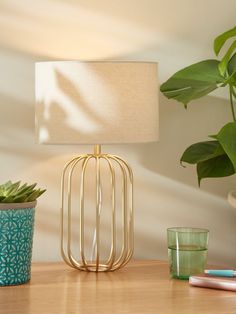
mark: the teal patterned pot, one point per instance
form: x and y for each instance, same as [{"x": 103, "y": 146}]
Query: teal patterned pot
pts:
[{"x": 16, "y": 240}]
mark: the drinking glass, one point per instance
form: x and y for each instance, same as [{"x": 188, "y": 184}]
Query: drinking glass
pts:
[{"x": 187, "y": 251}]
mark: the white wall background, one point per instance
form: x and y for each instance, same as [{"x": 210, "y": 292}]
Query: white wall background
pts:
[{"x": 174, "y": 33}]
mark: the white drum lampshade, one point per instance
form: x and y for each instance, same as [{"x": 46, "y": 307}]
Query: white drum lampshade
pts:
[{"x": 96, "y": 102}]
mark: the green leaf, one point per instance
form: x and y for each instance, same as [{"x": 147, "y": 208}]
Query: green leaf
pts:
[
  {"x": 224, "y": 62},
  {"x": 232, "y": 70},
  {"x": 220, "y": 166},
  {"x": 22, "y": 187},
  {"x": 13, "y": 193},
  {"x": 6, "y": 185},
  {"x": 227, "y": 138},
  {"x": 230, "y": 80},
  {"x": 27, "y": 188},
  {"x": 213, "y": 136},
  {"x": 22, "y": 196},
  {"x": 232, "y": 65},
  {"x": 19, "y": 199},
  {"x": 13, "y": 188},
  {"x": 193, "y": 82},
  {"x": 1, "y": 190},
  {"x": 34, "y": 195},
  {"x": 202, "y": 151},
  {"x": 221, "y": 39},
  {"x": 8, "y": 199}
]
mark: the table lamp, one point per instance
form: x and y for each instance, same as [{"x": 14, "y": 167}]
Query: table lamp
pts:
[{"x": 104, "y": 102}]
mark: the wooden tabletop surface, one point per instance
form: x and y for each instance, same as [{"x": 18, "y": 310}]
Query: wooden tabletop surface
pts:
[{"x": 141, "y": 287}]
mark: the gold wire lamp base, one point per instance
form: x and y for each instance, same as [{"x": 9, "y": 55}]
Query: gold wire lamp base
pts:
[{"x": 117, "y": 257}]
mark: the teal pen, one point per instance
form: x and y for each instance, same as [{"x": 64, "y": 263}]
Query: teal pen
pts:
[{"x": 220, "y": 272}]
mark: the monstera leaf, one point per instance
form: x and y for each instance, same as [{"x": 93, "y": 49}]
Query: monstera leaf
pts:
[
  {"x": 220, "y": 166},
  {"x": 232, "y": 69},
  {"x": 202, "y": 151},
  {"x": 219, "y": 42},
  {"x": 222, "y": 38},
  {"x": 215, "y": 158},
  {"x": 227, "y": 139},
  {"x": 193, "y": 82},
  {"x": 210, "y": 158}
]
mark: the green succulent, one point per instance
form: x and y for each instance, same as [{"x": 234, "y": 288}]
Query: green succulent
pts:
[{"x": 16, "y": 193}]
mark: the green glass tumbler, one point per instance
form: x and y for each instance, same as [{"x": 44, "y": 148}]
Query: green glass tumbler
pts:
[{"x": 187, "y": 251}]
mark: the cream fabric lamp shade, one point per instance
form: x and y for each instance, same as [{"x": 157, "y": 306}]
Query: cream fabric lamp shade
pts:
[{"x": 96, "y": 102}]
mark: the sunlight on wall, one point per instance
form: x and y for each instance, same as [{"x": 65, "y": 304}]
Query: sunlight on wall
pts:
[
  {"x": 173, "y": 33},
  {"x": 85, "y": 30},
  {"x": 45, "y": 30}
]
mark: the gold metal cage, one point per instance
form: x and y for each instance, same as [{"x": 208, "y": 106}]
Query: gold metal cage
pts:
[{"x": 118, "y": 257}]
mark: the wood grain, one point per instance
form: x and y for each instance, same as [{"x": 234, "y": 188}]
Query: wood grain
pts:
[{"x": 140, "y": 287}]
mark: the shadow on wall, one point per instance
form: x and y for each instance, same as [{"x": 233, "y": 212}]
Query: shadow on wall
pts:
[
  {"x": 17, "y": 131},
  {"x": 56, "y": 110},
  {"x": 161, "y": 202},
  {"x": 179, "y": 128}
]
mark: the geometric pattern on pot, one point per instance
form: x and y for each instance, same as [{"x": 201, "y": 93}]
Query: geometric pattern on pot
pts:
[{"x": 16, "y": 240}]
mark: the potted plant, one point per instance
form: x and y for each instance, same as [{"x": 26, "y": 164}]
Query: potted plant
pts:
[
  {"x": 217, "y": 156},
  {"x": 17, "y": 208}
]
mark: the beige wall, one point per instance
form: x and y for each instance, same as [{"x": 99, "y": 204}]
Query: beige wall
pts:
[{"x": 174, "y": 33}]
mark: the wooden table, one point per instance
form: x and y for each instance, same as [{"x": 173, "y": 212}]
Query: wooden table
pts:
[{"x": 141, "y": 287}]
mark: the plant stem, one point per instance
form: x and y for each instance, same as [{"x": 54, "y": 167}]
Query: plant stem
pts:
[
  {"x": 231, "y": 102},
  {"x": 233, "y": 92}
]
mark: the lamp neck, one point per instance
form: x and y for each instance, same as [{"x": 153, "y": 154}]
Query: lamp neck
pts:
[{"x": 97, "y": 149}]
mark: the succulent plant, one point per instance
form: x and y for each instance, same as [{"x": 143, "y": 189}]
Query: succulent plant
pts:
[{"x": 16, "y": 193}]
